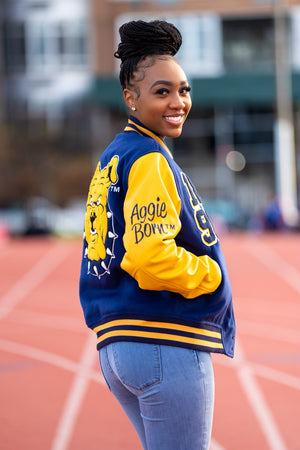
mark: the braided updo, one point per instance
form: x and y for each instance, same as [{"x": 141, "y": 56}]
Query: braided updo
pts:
[{"x": 141, "y": 39}]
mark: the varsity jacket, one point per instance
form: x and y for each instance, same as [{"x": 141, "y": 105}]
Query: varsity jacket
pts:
[{"x": 152, "y": 267}]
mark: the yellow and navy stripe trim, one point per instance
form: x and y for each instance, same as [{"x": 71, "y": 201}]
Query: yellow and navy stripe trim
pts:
[
  {"x": 159, "y": 332},
  {"x": 132, "y": 126}
]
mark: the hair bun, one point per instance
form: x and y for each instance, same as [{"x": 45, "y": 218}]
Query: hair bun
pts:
[{"x": 140, "y": 39}]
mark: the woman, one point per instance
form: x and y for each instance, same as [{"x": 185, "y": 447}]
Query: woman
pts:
[{"x": 154, "y": 285}]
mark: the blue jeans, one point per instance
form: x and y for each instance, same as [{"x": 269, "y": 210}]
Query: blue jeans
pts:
[{"x": 166, "y": 392}]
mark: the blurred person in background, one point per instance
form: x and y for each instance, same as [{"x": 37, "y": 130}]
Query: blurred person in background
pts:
[
  {"x": 272, "y": 215},
  {"x": 154, "y": 285}
]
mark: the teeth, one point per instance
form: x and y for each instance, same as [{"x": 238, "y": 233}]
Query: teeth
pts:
[{"x": 176, "y": 119}]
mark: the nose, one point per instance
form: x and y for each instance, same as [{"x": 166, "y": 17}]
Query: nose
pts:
[{"x": 176, "y": 101}]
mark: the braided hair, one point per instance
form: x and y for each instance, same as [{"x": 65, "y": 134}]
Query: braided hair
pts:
[{"x": 141, "y": 39}]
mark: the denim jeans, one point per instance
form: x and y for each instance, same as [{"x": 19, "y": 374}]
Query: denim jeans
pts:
[{"x": 167, "y": 392}]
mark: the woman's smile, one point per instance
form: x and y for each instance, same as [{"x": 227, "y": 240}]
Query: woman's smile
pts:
[{"x": 175, "y": 119}]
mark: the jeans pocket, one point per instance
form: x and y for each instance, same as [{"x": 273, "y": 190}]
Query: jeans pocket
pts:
[{"x": 137, "y": 365}]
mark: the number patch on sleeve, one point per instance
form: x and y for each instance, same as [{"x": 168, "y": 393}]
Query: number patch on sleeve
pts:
[{"x": 208, "y": 234}]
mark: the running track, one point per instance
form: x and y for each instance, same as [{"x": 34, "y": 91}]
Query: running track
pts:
[{"x": 53, "y": 396}]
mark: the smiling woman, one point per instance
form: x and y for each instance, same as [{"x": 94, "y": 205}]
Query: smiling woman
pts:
[
  {"x": 155, "y": 87},
  {"x": 161, "y": 99},
  {"x": 154, "y": 285}
]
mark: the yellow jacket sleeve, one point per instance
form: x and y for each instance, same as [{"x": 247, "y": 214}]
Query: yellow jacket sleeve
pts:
[{"x": 151, "y": 210}]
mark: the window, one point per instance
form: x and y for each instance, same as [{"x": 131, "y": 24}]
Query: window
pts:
[
  {"x": 201, "y": 50},
  {"x": 200, "y": 54},
  {"x": 56, "y": 46},
  {"x": 72, "y": 44},
  {"x": 248, "y": 44},
  {"x": 295, "y": 37},
  {"x": 14, "y": 48}
]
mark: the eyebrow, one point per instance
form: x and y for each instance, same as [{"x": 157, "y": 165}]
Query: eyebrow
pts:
[{"x": 168, "y": 83}]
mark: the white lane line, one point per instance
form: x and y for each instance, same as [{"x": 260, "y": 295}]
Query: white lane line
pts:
[
  {"x": 267, "y": 331},
  {"x": 276, "y": 375},
  {"x": 276, "y": 263},
  {"x": 266, "y": 372},
  {"x": 258, "y": 403},
  {"x": 75, "y": 398},
  {"x": 66, "y": 364},
  {"x": 31, "y": 279},
  {"x": 52, "y": 321},
  {"x": 214, "y": 445},
  {"x": 50, "y": 358}
]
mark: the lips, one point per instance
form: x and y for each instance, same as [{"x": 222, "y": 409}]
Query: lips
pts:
[{"x": 174, "y": 119}]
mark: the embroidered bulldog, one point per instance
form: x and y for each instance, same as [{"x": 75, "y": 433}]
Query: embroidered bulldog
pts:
[{"x": 98, "y": 226}]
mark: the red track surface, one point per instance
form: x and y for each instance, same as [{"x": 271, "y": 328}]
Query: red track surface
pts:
[{"x": 54, "y": 398}]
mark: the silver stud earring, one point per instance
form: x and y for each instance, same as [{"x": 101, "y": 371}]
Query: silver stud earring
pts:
[{"x": 133, "y": 108}]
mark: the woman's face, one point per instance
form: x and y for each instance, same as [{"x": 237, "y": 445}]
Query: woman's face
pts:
[{"x": 160, "y": 94}]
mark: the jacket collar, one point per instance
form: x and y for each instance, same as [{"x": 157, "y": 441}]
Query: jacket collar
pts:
[{"x": 135, "y": 125}]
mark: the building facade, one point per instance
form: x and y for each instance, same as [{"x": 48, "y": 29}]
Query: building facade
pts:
[
  {"x": 45, "y": 54},
  {"x": 45, "y": 74},
  {"x": 228, "y": 145},
  {"x": 59, "y": 75}
]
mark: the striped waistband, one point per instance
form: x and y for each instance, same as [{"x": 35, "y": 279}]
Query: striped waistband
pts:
[{"x": 159, "y": 332}]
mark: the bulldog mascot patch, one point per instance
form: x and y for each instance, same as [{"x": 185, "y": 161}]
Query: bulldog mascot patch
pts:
[{"x": 98, "y": 226}]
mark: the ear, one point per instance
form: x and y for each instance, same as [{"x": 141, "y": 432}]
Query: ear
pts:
[{"x": 129, "y": 98}]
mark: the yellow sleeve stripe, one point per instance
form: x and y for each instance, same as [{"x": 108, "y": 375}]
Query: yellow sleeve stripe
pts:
[
  {"x": 162, "y": 325},
  {"x": 160, "y": 337},
  {"x": 149, "y": 133}
]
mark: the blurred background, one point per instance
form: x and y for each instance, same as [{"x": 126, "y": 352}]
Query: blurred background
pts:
[{"x": 61, "y": 104}]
